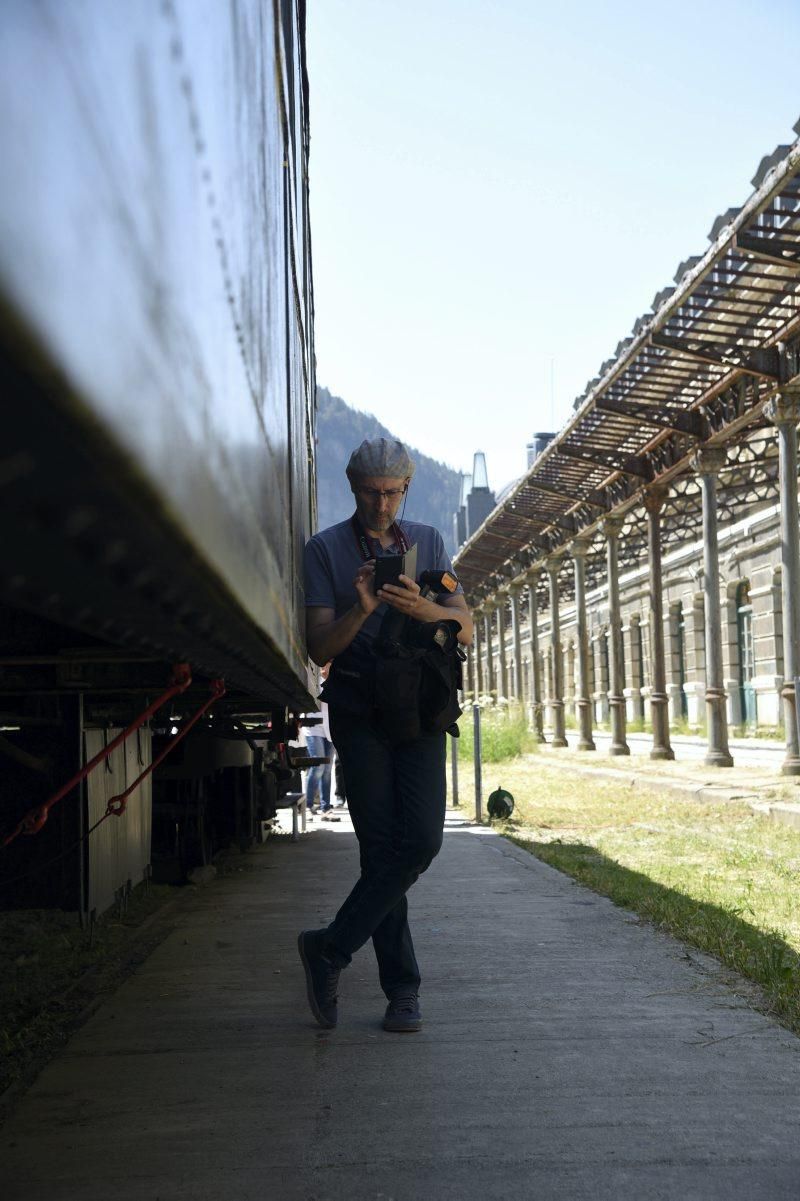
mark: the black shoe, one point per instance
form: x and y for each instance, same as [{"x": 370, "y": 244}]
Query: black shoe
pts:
[
  {"x": 322, "y": 979},
  {"x": 402, "y": 1014}
]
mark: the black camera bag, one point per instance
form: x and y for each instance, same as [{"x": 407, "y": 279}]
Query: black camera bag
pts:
[{"x": 417, "y": 681}]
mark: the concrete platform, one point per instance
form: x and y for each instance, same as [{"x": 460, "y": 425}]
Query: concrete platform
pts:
[{"x": 567, "y": 1052}]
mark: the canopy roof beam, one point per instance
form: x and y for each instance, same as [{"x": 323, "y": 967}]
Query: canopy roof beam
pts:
[
  {"x": 770, "y": 250},
  {"x": 636, "y": 465},
  {"x": 765, "y": 362},
  {"x": 691, "y": 422},
  {"x": 593, "y": 498}
]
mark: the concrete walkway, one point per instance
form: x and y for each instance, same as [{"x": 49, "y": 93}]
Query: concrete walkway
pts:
[{"x": 568, "y": 1052}]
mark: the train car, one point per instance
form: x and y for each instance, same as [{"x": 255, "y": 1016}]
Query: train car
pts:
[{"x": 157, "y": 430}]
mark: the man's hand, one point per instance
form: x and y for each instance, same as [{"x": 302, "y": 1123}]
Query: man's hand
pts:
[
  {"x": 367, "y": 599},
  {"x": 406, "y": 600}
]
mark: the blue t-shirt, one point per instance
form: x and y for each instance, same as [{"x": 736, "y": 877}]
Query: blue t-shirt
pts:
[{"x": 332, "y": 558}]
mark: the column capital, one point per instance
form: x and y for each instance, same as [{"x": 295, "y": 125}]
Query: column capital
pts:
[
  {"x": 489, "y": 605},
  {"x": 579, "y": 548},
  {"x": 553, "y": 563},
  {"x": 516, "y": 586},
  {"x": 784, "y": 407},
  {"x": 533, "y": 575},
  {"x": 708, "y": 460},
  {"x": 654, "y": 498},
  {"x": 612, "y": 525}
]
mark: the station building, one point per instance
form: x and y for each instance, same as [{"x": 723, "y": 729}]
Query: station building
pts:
[{"x": 644, "y": 572}]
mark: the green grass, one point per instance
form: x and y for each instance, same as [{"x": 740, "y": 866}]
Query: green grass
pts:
[
  {"x": 720, "y": 878},
  {"x": 504, "y": 734},
  {"x": 682, "y": 725}
]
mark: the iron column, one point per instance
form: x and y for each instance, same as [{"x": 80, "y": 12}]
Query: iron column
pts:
[
  {"x": 514, "y": 590},
  {"x": 616, "y": 698},
  {"x": 501, "y": 644},
  {"x": 537, "y": 715},
  {"x": 707, "y": 463},
  {"x": 784, "y": 411},
  {"x": 659, "y": 700},
  {"x": 580, "y": 548},
  {"x": 557, "y": 699},
  {"x": 477, "y": 668},
  {"x": 488, "y": 608}
]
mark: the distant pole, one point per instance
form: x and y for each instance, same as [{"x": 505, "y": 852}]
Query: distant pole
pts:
[
  {"x": 476, "y": 750},
  {"x": 454, "y": 770},
  {"x": 552, "y": 394}
]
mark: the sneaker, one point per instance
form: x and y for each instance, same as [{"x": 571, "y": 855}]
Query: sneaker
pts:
[
  {"x": 322, "y": 979},
  {"x": 327, "y": 816},
  {"x": 402, "y": 1014}
]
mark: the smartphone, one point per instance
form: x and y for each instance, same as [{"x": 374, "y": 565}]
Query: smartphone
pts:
[{"x": 389, "y": 568}]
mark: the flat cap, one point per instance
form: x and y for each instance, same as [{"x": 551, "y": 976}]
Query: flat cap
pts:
[{"x": 381, "y": 457}]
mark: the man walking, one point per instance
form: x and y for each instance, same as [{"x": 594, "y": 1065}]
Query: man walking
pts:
[{"x": 395, "y": 790}]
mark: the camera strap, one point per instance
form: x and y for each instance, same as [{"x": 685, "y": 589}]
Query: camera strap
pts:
[{"x": 363, "y": 542}]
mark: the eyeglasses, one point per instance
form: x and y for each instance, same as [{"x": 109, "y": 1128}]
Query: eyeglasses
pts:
[{"x": 376, "y": 494}]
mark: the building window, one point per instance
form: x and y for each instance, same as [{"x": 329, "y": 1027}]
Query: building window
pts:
[
  {"x": 606, "y": 653},
  {"x": 680, "y": 649},
  {"x": 747, "y": 661}
]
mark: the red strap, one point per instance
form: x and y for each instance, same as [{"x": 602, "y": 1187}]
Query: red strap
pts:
[
  {"x": 35, "y": 818},
  {"x": 116, "y": 805}
]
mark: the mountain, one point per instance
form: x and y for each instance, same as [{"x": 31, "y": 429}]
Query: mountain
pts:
[{"x": 435, "y": 490}]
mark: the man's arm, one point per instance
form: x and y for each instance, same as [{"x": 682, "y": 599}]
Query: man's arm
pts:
[
  {"x": 462, "y": 614},
  {"x": 326, "y": 635}
]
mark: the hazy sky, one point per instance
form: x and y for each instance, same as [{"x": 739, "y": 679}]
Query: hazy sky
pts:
[{"x": 499, "y": 188}]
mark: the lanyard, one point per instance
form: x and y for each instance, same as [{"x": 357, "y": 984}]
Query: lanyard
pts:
[{"x": 363, "y": 544}]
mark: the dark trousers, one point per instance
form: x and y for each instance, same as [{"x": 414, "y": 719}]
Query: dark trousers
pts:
[{"x": 396, "y": 797}]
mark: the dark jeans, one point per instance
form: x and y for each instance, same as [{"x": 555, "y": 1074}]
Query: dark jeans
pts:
[{"x": 396, "y": 796}]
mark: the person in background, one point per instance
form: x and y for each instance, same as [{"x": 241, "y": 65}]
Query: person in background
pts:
[
  {"x": 339, "y": 793},
  {"x": 318, "y": 779}
]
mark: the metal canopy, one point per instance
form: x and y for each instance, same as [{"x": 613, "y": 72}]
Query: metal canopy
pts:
[{"x": 695, "y": 371}]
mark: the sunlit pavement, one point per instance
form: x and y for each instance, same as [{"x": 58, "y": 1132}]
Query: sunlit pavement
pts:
[
  {"x": 567, "y": 1052},
  {"x": 761, "y": 752}
]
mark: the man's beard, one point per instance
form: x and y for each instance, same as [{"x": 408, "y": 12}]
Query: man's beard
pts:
[{"x": 378, "y": 523}]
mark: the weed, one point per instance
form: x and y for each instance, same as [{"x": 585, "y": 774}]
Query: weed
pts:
[
  {"x": 505, "y": 734},
  {"x": 682, "y": 725}
]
